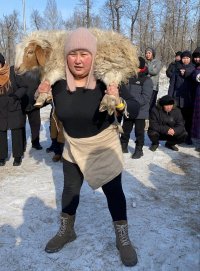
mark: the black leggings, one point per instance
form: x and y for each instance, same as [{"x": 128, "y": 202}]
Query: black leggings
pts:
[{"x": 73, "y": 179}]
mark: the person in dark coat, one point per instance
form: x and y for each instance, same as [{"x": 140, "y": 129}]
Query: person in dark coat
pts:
[
  {"x": 172, "y": 66},
  {"x": 31, "y": 81},
  {"x": 166, "y": 123},
  {"x": 141, "y": 88},
  {"x": 11, "y": 114},
  {"x": 182, "y": 89},
  {"x": 196, "y": 78}
]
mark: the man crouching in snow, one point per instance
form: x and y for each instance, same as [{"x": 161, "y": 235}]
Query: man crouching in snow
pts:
[{"x": 166, "y": 123}]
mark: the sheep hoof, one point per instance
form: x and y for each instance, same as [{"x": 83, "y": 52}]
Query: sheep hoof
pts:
[{"x": 38, "y": 105}]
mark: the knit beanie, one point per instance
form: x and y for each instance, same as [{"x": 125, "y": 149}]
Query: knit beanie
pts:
[
  {"x": 81, "y": 39},
  {"x": 186, "y": 54},
  {"x": 166, "y": 100},
  {"x": 178, "y": 53},
  {"x": 149, "y": 49},
  {"x": 2, "y": 59},
  {"x": 196, "y": 52},
  {"x": 141, "y": 62}
]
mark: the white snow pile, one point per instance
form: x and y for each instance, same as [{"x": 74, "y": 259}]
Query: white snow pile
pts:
[{"x": 162, "y": 192}]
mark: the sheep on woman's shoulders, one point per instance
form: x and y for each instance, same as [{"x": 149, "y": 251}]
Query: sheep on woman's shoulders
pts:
[{"x": 116, "y": 59}]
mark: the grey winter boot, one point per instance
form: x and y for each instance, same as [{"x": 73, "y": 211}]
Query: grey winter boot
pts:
[
  {"x": 65, "y": 234},
  {"x": 127, "y": 252}
]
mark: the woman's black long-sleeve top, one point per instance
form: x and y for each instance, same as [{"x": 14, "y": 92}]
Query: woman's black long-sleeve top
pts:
[{"x": 79, "y": 110}]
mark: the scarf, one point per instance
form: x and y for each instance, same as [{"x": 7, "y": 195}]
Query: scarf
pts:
[{"x": 4, "y": 78}]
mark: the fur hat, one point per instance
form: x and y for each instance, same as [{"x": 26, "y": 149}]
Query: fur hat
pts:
[
  {"x": 2, "y": 59},
  {"x": 196, "y": 52},
  {"x": 186, "y": 54},
  {"x": 141, "y": 62},
  {"x": 166, "y": 100},
  {"x": 81, "y": 38},
  {"x": 150, "y": 49},
  {"x": 178, "y": 53}
]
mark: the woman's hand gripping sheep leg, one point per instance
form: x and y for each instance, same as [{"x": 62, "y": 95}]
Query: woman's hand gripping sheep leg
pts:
[{"x": 43, "y": 94}]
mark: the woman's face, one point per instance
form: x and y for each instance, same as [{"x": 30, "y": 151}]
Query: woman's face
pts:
[
  {"x": 149, "y": 55},
  {"x": 1, "y": 65},
  {"x": 186, "y": 60},
  {"x": 79, "y": 63},
  {"x": 197, "y": 60},
  {"x": 177, "y": 58}
]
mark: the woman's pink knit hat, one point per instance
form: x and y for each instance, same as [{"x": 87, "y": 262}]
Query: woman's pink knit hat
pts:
[{"x": 81, "y": 38}]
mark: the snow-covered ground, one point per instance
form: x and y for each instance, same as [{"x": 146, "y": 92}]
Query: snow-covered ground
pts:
[{"x": 162, "y": 191}]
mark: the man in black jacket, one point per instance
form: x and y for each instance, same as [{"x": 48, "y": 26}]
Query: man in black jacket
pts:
[
  {"x": 172, "y": 66},
  {"x": 166, "y": 123},
  {"x": 140, "y": 88}
]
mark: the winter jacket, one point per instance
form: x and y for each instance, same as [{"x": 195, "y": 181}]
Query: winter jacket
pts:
[
  {"x": 11, "y": 114},
  {"x": 171, "y": 69},
  {"x": 160, "y": 120},
  {"x": 141, "y": 88},
  {"x": 154, "y": 66},
  {"x": 31, "y": 82},
  {"x": 181, "y": 87},
  {"x": 196, "y": 113}
]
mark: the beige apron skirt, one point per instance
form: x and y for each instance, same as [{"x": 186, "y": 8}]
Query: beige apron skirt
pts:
[{"x": 99, "y": 157}]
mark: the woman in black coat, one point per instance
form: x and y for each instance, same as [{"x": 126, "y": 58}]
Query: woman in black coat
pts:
[
  {"x": 11, "y": 114},
  {"x": 183, "y": 91}
]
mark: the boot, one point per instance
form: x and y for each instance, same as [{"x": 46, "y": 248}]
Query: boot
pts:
[
  {"x": 154, "y": 147},
  {"x": 17, "y": 161},
  {"x": 171, "y": 146},
  {"x": 41, "y": 100},
  {"x": 57, "y": 157},
  {"x": 138, "y": 153},
  {"x": 36, "y": 144},
  {"x": 53, "y": 145},
  {"x": 188, "y": 141},
  {"x": 127, "y": 252},
  {"x": 124, "y": 147},
  {"x": 2, "y": 162},
  {"x": 65, "y": 234}
]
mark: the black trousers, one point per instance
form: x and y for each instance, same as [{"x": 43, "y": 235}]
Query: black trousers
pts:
[
  {"x": 187, "y": 114},
  {"x": 58, "y": 149},
  {"x": 153, "y": 99},
  {"x": 35, "y": 123},
  {"x": 73, "y": 179},
  {"x": 176, "y": 139},
  {"x": 17, "y": 143},
  {"x": 139, "y": 131}
]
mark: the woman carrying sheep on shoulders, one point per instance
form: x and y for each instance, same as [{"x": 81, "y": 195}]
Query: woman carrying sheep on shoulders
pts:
[
  {"x": 92, "y": 148},
  {"x": 11, "y": 114}
]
